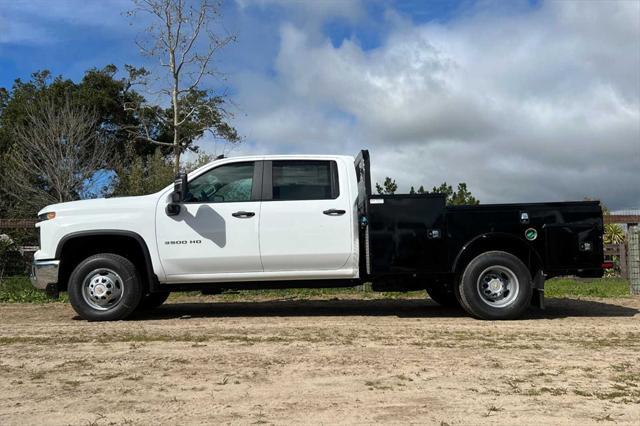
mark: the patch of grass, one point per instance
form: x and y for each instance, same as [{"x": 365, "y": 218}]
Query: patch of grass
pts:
[
  {"x": 19, "y": 290},
  {"x": 605, "y": 287}
]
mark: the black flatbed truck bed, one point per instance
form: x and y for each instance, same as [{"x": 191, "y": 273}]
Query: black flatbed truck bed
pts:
[{"x": 412, "y": 241}]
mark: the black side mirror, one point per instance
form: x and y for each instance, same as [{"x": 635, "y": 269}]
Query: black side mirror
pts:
[{"x": 180, "y": 189}]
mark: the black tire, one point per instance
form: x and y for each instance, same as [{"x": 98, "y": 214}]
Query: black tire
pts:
[
  {"x": 443, "y": 296},
  {"x": 495, "y": 286},
  {"x": 116, "y": 272},
  {"x": 152, "y": 300}
]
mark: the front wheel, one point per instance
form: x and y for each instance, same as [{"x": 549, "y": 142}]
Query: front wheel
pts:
[
  {"x": 495, "y": 285},
  {"x": 104, "y": 287}
]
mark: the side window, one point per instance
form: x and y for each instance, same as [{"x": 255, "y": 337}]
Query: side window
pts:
[
  {"x": 224, "y": 184},
  {"x": 305, "y": 180}
]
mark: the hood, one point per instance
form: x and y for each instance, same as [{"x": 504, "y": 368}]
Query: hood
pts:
[{"x": 101, "y": 205}]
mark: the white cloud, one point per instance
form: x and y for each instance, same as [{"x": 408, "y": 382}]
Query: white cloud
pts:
[{"x": 542, "y": 105}]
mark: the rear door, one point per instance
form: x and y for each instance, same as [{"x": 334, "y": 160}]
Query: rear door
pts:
[{"x": 306, "y": 217}]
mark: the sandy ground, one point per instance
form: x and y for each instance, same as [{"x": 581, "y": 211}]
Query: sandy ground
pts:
[{"x": 322, "y": 362}]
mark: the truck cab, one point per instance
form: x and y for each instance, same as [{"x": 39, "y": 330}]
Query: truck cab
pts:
[{"x": 306, "y": 221}]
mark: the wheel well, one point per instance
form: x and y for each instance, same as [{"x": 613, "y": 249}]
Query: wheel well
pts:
[
  {"x": 76, "y": 249},
  {"x": 518, "y": 248}
]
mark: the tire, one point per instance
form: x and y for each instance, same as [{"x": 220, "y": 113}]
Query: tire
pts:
[
  {"x": 495, "y": 286},
  {"x": 443, "y": 296},
  {"x": 152, "y": 300},
  {"x": 105, "y": 287}
]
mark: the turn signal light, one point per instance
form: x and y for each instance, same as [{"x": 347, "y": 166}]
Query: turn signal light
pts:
[{"x": 47, "y": 216}]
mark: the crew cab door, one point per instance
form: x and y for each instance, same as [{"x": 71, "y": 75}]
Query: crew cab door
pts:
[
  {"x": 306, "y": 217},
  {"x": 216, "y": 232}
]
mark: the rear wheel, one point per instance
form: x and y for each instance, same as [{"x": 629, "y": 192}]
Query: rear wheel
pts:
[
  {"x": 495, "y": 285},
  {"x": 152, "y": 300},
  {"x": 104, "y": 287},
  {"x": 443, "y": 296}
]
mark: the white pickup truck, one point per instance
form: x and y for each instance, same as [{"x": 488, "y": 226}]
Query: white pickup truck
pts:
[{"x": 307, "y": 221}]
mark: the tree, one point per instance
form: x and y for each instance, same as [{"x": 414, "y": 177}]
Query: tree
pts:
[
  {"x": 56, "y": 155},
  {"x": 389, "y": 186},
  {"x": 182, "y": 37},
  {"x": 462, "y": 196},
  {"x": 100, "y": 91},
  {"x": 140, "y": 175}
]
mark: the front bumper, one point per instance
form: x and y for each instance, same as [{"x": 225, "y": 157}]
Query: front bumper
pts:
[{"x": 44, "y": 272}]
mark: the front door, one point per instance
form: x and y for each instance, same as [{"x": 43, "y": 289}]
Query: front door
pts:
[
  {"x": 216, "y": 231},
  {"x": 306, "y": 218}
]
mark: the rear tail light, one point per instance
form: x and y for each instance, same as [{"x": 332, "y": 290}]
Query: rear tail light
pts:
[{"x": 607, "y": 265}]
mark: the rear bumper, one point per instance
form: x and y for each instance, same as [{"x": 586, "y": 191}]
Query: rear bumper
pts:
[{"x": 44, "y": 272}]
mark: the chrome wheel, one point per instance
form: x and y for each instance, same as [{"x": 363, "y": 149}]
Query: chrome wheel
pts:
[
  {"x": 498, "y": 286},
  {"x": 102, "y": 289}
]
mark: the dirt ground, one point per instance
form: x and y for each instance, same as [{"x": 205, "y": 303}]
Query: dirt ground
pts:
[{"x": 321, "y": 362}]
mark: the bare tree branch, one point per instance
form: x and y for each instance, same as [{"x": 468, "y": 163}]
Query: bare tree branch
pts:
[
  {"x": 183, "y": 39},
  {"x": 56, "y": 155}
]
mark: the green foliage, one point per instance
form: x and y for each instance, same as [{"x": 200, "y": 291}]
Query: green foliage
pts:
[
  {"x": 605, "y": 287},
  {"x": 19, "y": 290},
  {"x": 8, "y": 250},
  {"x": 388, "y": 187},
  {"x": 462, "y": 196},
  {"x": 200, "y": 161},
  {"x": 99, "y": 92},
  {"x": 613, "y": 234},
  {"x": 138, "y": 175}
]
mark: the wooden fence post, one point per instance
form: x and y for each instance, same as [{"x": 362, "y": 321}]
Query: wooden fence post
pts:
[{"x": 633, "y": 259}]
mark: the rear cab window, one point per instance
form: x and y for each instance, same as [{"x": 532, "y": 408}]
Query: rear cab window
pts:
[{"x": 294, "y": 180}]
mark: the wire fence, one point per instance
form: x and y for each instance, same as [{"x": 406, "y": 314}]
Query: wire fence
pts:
[{"x": 634, "y": 259}]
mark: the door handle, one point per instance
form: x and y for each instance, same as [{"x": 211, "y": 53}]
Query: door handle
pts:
[
  {"x": 243, "y": 214},
  {"x": 334, "y": 212}
]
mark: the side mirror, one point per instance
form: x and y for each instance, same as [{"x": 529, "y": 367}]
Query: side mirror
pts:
[{"x": 180, "y": 189}]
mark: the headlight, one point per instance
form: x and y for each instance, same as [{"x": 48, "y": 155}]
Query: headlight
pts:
[{"x": 47, "y": 216}]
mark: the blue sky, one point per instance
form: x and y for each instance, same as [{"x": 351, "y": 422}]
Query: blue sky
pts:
[
  {"x": 523, "y": 100},
  {"x": 96, "y": 36}
]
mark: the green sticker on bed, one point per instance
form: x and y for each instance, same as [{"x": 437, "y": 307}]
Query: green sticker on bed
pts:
[{"x": 531, "y": 234}]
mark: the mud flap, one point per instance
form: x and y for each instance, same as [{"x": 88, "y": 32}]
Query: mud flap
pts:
[
  {"x": 537, "y": 298},
  {"x": 52, "y": 291}
]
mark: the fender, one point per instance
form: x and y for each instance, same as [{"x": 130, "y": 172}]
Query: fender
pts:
[
  {"x": 153, "y": 279},
  {"x": 490, "y": 237}
]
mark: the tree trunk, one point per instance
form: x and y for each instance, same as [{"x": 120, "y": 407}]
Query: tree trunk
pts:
[{"x": 176, "y": 111}]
